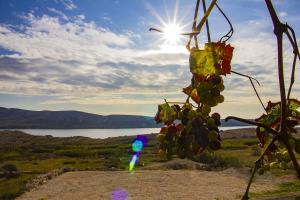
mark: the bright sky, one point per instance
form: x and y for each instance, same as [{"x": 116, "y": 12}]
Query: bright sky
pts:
[{"x": 98, "y": 56}]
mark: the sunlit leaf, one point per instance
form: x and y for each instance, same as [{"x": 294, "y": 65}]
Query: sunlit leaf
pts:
[
  {"x": 167, "y": 113},
  {"x": 204, "y": 63},
  {"x": 273, "y": 116}
]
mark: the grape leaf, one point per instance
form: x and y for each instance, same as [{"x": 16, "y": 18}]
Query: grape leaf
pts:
[
  {"x": 187, "y": 90},
  {"x": 226, "y": 59},
  {"x": 192, "y": 92},
  {"x": 272, "y": 118},
  {"x": 225, "y": 53},
  {"x": 195, "y": 96},
  {"x": 214, "y": 59},
  {"x": 167, "y": 113},
  {"x": 204, "y": 63}
]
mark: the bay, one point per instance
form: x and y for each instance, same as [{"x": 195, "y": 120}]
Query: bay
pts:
[{"x": 102, "y": 133}]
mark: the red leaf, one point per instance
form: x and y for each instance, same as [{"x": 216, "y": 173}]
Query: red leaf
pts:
[{"x": 226, "y": 67}]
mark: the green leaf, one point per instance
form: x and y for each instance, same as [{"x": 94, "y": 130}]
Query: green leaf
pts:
[
  {"x": 204, "y": 63},
  {"x": 294, "y": 104},
  {"x": 274, "y": 112},
  {"x": 167, "y": 113}
]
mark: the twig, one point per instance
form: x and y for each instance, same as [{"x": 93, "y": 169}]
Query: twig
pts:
[
  {"x": 155, "y": 29},
  {"x": 230, "y": 32},
  {"x": 292, "y": 76},
  {"x": 294, "y": 43},
  {"x": 197, "y": 30},
  {"x": 253, "y": 86},
  {"x": 256, "y": 165},
  {"x": 206, "y": 22},
  {"x": 246, "y": 194},
  {"x": 204, "y": 18},
  {"x": 195, "y": 23},
  {"x": 238, "y": 73},
  {"x": 274, "y": 132},
  {"x": 257, "y": 95}
]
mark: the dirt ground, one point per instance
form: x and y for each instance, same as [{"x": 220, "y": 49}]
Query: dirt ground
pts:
[{"x": 149, "y": 184}]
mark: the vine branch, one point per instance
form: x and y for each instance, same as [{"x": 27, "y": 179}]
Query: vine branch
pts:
[
  {"x": 274, "y": 132},
  {"x": 195, "y": 23},
  {"x": 279, "y": 29},
  {"x": 206, "y": 22},
  {"x": 230, "y": 32},
  {"x": 253, "y": 86},
  {"x": 256, "y": 165},
  {"x": 282, "y": 134}
]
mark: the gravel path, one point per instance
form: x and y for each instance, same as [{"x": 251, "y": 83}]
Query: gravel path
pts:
[{"x": 148, "y": 184}]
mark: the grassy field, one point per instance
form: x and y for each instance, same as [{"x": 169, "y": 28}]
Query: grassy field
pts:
[{"x": 34, "y": 155}]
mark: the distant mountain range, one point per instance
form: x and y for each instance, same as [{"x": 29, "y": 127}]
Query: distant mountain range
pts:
[{"x": 12, "y": 118}]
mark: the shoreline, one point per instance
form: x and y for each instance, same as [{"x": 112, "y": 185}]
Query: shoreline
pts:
[{"x": 114, "y": 133}]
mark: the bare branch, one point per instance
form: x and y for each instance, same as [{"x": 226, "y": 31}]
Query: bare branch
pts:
[
  {"x": 155, "y": 29},
  {"x": 274, "y": 132},
  {"x": 293, "y": 40},
  {"x": 238, "y": 73},
  {"x": 257, "y": 95},
  {"x": 230, "y": 32},
  {"x": 292, "y": 76},
  {"x": 204, "y": 18},
  {"x": 195, "y": 23},
  {"x": 206, "y": 22},
  {"x": 253, "y": 86},
  {"x": 256, "y": 165}
]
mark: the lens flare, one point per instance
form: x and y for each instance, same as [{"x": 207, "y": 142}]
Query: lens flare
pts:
[
  {"x": 137, "y": 146},
  {"x": 143, "y": 139},
  {"x": 132, "y": 162},
  {"x": 119, "y": 194}
]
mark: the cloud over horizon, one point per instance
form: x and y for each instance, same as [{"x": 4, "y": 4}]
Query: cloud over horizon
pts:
[{"x": 77, "y": 61}]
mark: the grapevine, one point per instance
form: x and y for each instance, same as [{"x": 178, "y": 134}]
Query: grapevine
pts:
[
  {"x": 190, "y": 128},
  {"x": 276, "y": 128}
]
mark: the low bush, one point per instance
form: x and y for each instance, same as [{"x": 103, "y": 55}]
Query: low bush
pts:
[
  {"x": 218, "y": 161},
  {"x": 9, "y": 167}
]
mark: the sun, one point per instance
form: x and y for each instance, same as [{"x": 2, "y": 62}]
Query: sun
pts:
[
  {"x": 172, "y": 38},
  {"x": 171, "y": 34},
  {"x": 171, "y": 29}
]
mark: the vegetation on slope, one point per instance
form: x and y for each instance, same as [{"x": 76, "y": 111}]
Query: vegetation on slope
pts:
[{"x": 36, "y": 155}]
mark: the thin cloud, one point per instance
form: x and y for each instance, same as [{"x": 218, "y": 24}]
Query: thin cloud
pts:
[
  {"x": 72, "y": 59},
  {"x": 69, "y": 5},
  {"x": 58, "y": 12}
]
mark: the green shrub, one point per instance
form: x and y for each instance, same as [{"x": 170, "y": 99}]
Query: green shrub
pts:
[
  {"x": 73, "y": 153},
  {"x": 9, "y": 167},
  {"x": 69, "y": 162},
  {"x": 42, "y": 150},
  {"x": 251, "y": 143},
  {"x": 218, "y": 161},
  {"x": 10, "y": 171}
]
